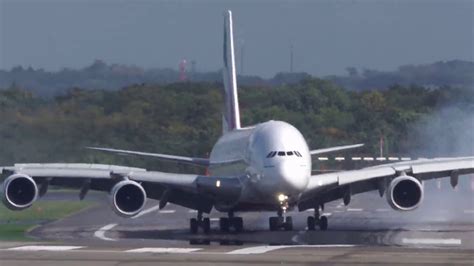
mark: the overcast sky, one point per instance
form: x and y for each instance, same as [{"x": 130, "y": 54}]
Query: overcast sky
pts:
[{"x": 327, "y": 36}]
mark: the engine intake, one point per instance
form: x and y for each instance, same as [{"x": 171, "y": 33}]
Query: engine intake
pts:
[
  {"x": 405, "y": 193},
  {"x": 128, "y": 198},
  {"x": 19, "y": 192}
]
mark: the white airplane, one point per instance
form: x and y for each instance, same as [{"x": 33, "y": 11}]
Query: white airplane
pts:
[{"x": 266, "y": 167}]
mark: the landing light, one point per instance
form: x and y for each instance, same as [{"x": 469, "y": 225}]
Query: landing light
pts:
[
  {"x": 218, "y": 183},
  {"x": 282, "y": 197}
]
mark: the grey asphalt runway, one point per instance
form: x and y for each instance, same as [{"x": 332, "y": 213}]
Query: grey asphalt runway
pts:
[{"x": 367, "y": 231}]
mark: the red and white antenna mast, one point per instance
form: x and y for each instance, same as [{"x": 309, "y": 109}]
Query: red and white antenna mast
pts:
[{"x": 182, "y": 70}]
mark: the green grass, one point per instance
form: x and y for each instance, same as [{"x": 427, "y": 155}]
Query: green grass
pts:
[{"x": 14, "y": 224}]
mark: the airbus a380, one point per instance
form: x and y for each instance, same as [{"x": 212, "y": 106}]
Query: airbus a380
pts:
[{"x": 266, "y": 167}]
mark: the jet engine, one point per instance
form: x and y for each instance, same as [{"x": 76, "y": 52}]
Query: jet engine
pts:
[
  {"x": 128, "y": 198},
  {"x": 404, "y": 193},
  {"x": 19, "y": 192}
]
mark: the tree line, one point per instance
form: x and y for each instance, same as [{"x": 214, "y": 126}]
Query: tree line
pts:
[{"x": 185, "y": 119}]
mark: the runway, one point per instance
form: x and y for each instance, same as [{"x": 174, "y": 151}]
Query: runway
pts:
[{"x": 367, "y": 231}]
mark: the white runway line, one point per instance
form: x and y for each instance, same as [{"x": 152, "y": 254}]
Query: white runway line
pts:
[
  {"x": 214, "y": 219},
  {"x": 163, "y": 250},
  {"x": 354, "y": 210},
  {"x": 356, "y": 158},
  {"x": 167, "y": 211},
  {"x": 393, "y": 158},
  {"x": 152, "y": 209},
  {"x": 323, "y": 158},
  {"x": 255, "y": 250},
  {"x": 265, "y": 249},
  {"x": 101, "y": 232},
  {"x": 368, "y": 158},
  {"x": 327, "y": 214},
  {"x": 431, "y": 241},
  {"x": 405, "y": 159},
  {"x": 339, "y": 158},
  {"x": 381, "y": 159},
  {"x": 45, "y": 248}
]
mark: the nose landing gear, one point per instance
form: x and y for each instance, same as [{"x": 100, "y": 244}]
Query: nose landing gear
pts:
[
  {"x": 281, "y": 221},
  {"x": 321, "y": 221}
]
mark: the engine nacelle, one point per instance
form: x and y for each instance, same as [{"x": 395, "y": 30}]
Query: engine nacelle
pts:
[
  {"x": 19, "y": 192},
  {"x": 128, "y": 198},
  {"x": 405, "y": 193}
]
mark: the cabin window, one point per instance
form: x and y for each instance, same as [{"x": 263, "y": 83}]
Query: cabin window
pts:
[
  {"x": 269, "y": 154},
  {"x": 289, "y": 153},
  {"x": 281, "y": 153}
]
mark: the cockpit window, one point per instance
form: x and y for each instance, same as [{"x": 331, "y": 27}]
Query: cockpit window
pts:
[
  {"x": 283, "y": 153},
  {"x": 271, "y": 154}
]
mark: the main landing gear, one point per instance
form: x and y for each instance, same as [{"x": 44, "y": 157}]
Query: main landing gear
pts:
[
  {"x": 204, "y": 223},
  {"x": 321, "y": 221},
  {"x": 226, "y": 223},
  {"x": 281, "y": 221}
]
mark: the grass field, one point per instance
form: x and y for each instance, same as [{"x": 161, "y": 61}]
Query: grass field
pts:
[{"x": 14, "y": 224}]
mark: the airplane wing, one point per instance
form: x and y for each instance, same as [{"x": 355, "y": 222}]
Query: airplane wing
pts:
[
  {"x": 189, "y": 190},
  {"x": 328, "y": 187},
  {"x": 333, "y": 149},
  {"x": 174, "y": 158}
]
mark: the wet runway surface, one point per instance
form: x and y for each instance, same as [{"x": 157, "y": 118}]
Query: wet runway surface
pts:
[{"x": 366, "y": 231}]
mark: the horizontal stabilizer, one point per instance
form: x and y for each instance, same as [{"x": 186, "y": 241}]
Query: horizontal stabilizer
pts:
[
  {"x": 333, "y": 149},
  {"x": 174, "y": 158}
]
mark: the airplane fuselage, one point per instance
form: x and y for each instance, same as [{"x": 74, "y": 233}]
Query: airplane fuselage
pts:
[{"x": 274, "y": 159}]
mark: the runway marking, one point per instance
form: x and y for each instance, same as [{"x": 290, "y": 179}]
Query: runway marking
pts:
[
  {"x": 163, "y": 250},
  {"x": 468, "y": 211},
  {"x": 101, "y": 232},
  {"x": 167, "y": 211},
  {"x": 382, "y": 210},
  {"x": 354, "y": 210},
  {"x": 432, "y": 241},
  {"x": 327, "y": 214},
  {"x": 45, "y": 248},
  {"x": 339, "y": 158},
  {"x": 152, "y": 209},
  {"x": 323, "y": 158},
  {"x": 265, "y": 249}
]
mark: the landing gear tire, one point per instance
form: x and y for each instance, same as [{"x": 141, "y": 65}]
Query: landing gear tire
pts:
[
  {"x": 193, "y": 225},
  {"x": 311, "y": 222},
  {"x": 323, "y": 223},
  {"x": 206, "y": 225},
  {"x": 238, "y": 224},
  {"x": 224, "y": 224},
  {"x": 273, "y": 222}
]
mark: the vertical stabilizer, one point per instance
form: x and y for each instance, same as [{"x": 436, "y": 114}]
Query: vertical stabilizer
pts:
[{"x": 231, "y": 119}]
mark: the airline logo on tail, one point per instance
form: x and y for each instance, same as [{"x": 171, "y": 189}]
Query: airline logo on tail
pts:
[{"x": 231, "y": 119}]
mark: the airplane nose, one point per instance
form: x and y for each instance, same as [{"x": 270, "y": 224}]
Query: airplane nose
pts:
[{"x": 293, "y": 176}]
